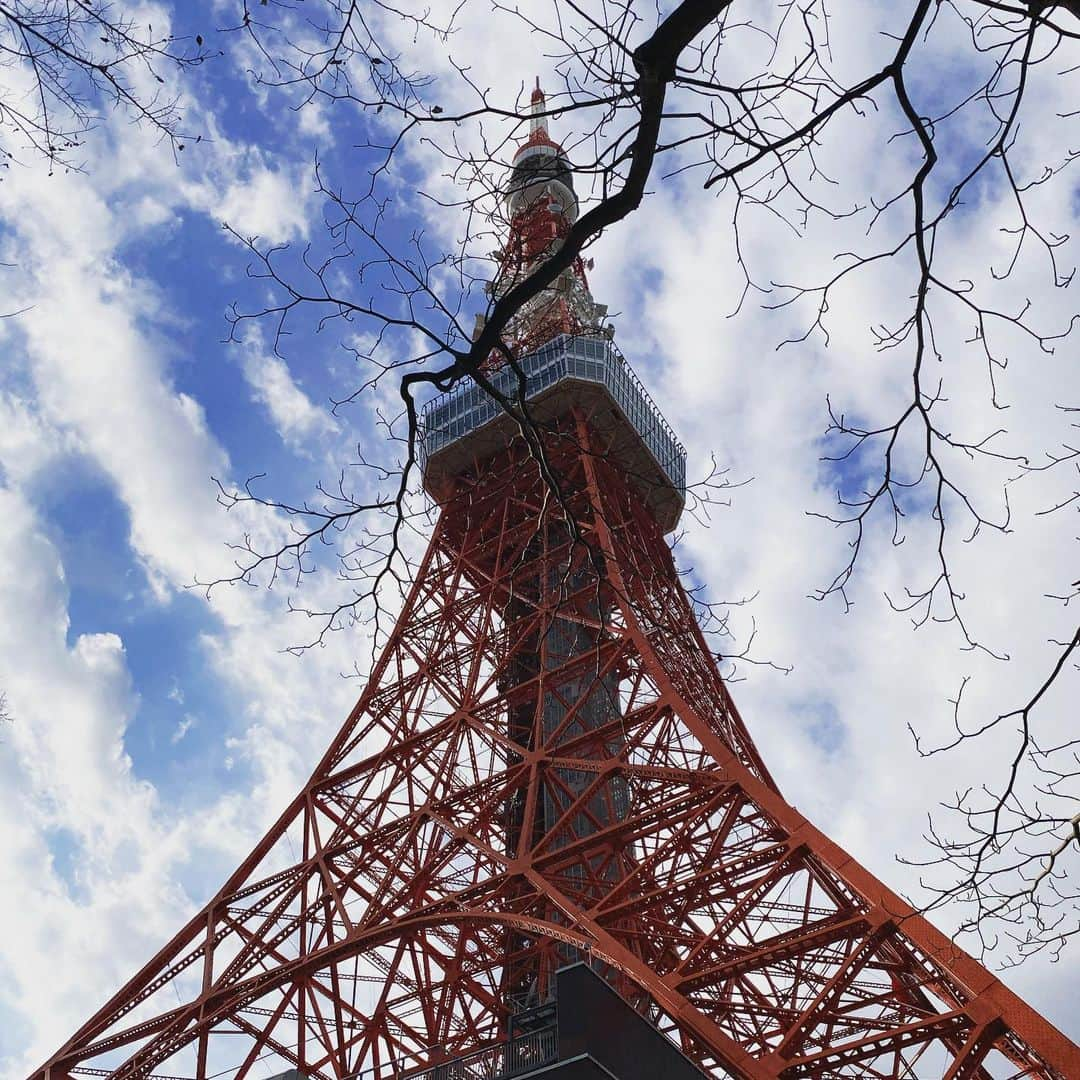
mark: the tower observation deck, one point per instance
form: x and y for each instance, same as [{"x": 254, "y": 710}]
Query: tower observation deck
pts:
[{"x": 561, "y": 346}]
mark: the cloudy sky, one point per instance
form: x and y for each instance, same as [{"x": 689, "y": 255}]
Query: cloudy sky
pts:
[{"x": 155, "y": 730}]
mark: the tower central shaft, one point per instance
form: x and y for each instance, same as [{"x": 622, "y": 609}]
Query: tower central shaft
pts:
[{"x": 560, "y": 691}]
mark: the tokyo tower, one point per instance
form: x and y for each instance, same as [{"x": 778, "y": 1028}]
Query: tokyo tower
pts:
[{"x": 543, "y": 844}]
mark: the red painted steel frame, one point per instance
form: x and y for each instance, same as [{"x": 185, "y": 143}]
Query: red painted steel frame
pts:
[{"x": 375, "y": 924}]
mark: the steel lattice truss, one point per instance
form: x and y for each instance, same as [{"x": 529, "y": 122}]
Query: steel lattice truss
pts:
[{"x": 471, "y": 828}]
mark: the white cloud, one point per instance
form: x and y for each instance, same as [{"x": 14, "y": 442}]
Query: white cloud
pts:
[
  {"x": 28, "y": 445},
  {"x": 270, "y": 202},
  {"x": 182, "y": 728},
  {"x": 295, "y": 417},
  {"x": 81, "y": 833}
]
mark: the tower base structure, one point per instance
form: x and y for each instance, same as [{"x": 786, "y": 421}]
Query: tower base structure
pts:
[{"x": 586, "y": 1032}]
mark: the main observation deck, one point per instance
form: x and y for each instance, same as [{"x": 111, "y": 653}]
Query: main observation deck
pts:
[{"x": 466, "y": 424}]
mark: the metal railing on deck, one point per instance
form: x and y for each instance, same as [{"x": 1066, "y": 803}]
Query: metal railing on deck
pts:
[
  {"x": 506, "y": 1059},
  {"x": 468, "y": 408}
]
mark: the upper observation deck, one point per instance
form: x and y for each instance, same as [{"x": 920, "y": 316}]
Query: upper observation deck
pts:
[
  {"x": 466, "y": 424},
  {"x": 562, "y": 347}
]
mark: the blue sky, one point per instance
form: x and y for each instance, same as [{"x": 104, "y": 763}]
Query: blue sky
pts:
[{"x": 156, "y": 731}]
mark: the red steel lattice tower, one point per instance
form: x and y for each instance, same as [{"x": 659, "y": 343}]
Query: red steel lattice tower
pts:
[{"x": 545, "y": 767}]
